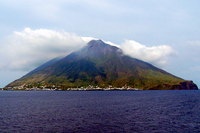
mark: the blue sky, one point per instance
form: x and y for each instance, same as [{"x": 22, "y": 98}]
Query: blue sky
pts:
[{"x": 165, "y": 33}]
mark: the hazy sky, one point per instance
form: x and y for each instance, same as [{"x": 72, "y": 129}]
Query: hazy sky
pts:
[{"x": 165, "y": 33}]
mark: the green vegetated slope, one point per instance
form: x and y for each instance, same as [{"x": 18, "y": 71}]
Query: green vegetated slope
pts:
[{"x": 99, "y": 64}]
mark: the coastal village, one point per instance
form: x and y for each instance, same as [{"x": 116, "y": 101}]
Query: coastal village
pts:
[{"x": 60, "y": 88}]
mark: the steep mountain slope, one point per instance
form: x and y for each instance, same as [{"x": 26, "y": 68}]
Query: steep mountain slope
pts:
[
  {"x": 101, "y": 64},
  {"x": 45, "y": 65}
]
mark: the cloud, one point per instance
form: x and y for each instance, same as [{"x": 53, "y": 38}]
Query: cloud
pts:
[
  {"x": 157, "y": 55},
  {"x": 29, "y": 48}
]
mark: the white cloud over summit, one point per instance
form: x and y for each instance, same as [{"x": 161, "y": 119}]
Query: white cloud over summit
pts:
[
  {"x": 157, "y": 55},
  {"x": 29, "y": 48}
]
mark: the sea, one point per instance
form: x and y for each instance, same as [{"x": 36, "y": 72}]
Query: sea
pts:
[{"x": 176, "y": 111}]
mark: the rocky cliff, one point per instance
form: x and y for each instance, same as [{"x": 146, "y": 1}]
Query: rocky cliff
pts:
[{"x": 187, "y": 85}]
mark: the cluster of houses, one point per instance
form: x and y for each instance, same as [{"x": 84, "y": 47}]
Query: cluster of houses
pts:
[
  {"x": 33, "y": 88},
  {"x": 58, "y": 88}
]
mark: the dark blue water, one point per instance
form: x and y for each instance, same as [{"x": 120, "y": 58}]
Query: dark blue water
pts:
[{"x": 100, "y": 111}]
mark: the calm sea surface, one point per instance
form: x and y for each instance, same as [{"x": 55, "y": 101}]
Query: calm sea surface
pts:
[{"x": 99, "y": 111}]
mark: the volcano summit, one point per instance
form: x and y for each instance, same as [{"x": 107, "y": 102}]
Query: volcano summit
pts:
[{"x": 100, "y": 64}]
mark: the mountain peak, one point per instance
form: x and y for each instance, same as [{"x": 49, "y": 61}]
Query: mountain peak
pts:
[
  {"x": 99, "y": 48},
  {"x": 92, "y": 42},
  {"x": 97, "y": 43}
]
